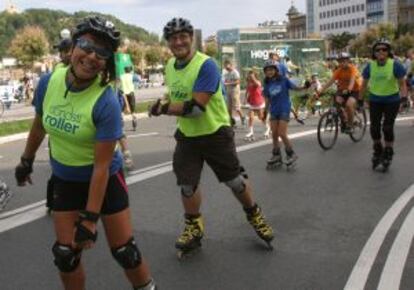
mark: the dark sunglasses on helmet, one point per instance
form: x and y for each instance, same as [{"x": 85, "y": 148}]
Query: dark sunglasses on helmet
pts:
[
  {"x": 89, "y": 47},
  {"x": 384, "y": 49}
]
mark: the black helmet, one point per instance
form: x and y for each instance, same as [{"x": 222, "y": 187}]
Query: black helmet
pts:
[
  {"x": 270, "y": 63},
  {"x": 64, "y": 45},
  {"x": 176, "y": 25},
  {"x": 101, "y": 27}
]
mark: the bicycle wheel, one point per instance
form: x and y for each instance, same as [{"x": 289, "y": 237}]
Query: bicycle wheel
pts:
[
  {"x": 1, "y": 108},
  {"x": 360, "y": 125},
  {"x": 327, "y": 130}
]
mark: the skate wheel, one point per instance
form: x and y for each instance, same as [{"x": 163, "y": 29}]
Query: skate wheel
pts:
[
  {"x": 270, "y": 246},
  {"x": 183, "y": 254}
]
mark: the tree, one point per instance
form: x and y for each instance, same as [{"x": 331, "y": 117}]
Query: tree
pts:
[
  {"x": 403, "y": 44},
  {"x": 339, "y": 42},
  {"x": 29, "y": 45},
  {"x": 211, "y": 49},
  {"x": 136, "y": 51},
  {"x": 361, "y": 46},
  {"x": 153, "y": 55}
]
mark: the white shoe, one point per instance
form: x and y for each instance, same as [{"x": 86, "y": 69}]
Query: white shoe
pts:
[{"x": 249, "y": 136}]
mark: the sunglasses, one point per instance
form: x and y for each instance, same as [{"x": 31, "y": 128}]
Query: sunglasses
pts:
[
  {"x": 384, "y": 49},
  {"x": 89, "y": 47}
]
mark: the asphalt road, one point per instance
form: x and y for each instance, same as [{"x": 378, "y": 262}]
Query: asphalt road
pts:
[{"x": 338, "y": 223}]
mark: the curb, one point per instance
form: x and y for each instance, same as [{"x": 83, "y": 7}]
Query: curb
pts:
[{"x": 23, "y": 135}]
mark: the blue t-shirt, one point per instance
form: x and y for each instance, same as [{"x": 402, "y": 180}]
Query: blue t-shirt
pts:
[
  {"x": 107, "y": 119},
  {"x": 277, "y": 91},
  {"x": 283, "y": 69},
  {"x": 399, "y": 72}
]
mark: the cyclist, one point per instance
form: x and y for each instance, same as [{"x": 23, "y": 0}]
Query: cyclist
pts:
[
  {"x": 256, "y": 103},
  {"x": 63, "y": 47},
  {"x": 204, "y": 133},
  {"x": 348, "y": 82},
  {"x": 384, "y": 78},
  {"x": 276, "y": 92},
  {"x": 77, "y": 108}
]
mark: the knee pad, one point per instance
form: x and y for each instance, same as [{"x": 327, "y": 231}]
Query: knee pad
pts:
[
  {"x": 66, "y": 259},
  {"x": 237, "y": 185},
  {"x": 388, "y": 133},
  {"x": 128, "y": 255},
  {"x": 188, "y": 190}
]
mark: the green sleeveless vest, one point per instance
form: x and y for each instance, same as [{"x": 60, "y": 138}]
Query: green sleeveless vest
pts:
[
  {"x": 382, "y": 81},
  {"x": 68, "y": 121},
  {"x": 180, "y": 85}
]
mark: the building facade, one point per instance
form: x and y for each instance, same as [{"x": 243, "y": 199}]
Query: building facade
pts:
[
  {"x": 326, "y": 17},
  {"x": 406, "y": 12},
  {"x": 296, "y": 27}
]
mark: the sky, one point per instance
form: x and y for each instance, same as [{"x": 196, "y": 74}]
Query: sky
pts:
[{"x": 208, "y": 15}]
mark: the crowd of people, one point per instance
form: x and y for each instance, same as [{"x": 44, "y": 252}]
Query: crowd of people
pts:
[{"x": 79, "y": 106}]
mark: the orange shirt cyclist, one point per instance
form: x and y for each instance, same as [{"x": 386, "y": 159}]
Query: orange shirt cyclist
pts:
[{"x": 348, "y": 82}]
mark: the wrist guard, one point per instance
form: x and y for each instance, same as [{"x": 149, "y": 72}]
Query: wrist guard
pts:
[
  {"x": 85, "y": 215},
  {"x": 23, "y": 169},
  {"x": 192, "y": 109}
]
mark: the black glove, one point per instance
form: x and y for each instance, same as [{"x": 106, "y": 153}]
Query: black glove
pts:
[
  {"x": 346, "y": 93},
  {"x": 23, "y": 171},
  {"x": 83, "y": 234},
  {"x": 154, "y": 109},
  {"x": 307, "y": 84}
]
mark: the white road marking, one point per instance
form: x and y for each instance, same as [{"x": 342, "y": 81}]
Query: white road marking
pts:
[
  {"x": 142, "y": 135},
  {"x": 362, "y": 268},
  {"x": 397, "y": 257}
]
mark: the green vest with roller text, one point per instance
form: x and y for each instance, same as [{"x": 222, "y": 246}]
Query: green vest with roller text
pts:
[
  {"x": 180, "y": 83},
  {"x": 68, "y": 120}
]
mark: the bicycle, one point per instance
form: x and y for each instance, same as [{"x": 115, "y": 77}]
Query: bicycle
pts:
[{"x": 330, "y": 122}]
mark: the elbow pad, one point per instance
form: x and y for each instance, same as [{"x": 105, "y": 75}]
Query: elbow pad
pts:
[{"x": 192, "y": 109}]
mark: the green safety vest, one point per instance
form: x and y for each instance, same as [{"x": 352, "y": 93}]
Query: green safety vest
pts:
[
  {"x": 382, "y": 81},
  {"x": 180, "y": 83},
  {"x": 69, "y": 122},
  {"x": 59, "y": 65}
]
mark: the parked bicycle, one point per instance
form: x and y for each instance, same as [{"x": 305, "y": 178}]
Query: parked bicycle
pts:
[{"x": 333, "y": 120}]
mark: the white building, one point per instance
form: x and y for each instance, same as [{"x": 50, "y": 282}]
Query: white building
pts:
[
  {"x": 336, "y": 16},
  {"x": 326, "y": 17}
]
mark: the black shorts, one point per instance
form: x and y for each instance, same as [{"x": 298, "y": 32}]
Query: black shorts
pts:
[
  {"x": 354, "y": 95},
  {"x": 217, "y": 149},
  {"x": 71, "y": 195},
  {"x": 131, "y": 101}
]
